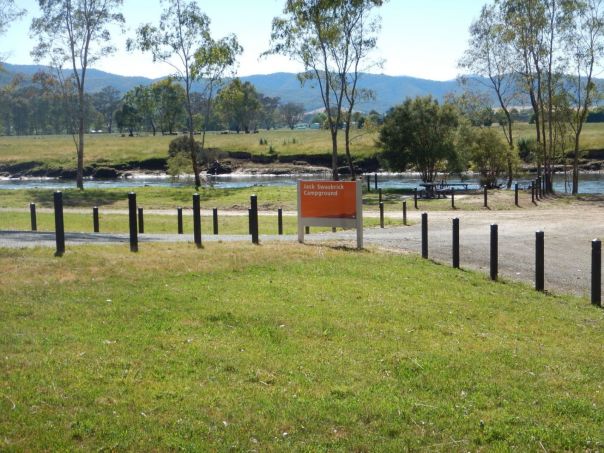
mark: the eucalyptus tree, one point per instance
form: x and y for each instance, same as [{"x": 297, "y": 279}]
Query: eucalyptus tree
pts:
[
  {"x": 331, "y": 39},
  {"x": 107, "y": 102},
  {"x": 8, "y": 13},
  {"x": 584, "y": 48},
  {"x": 182, "y": 40},
  {"x": 75, "y": 32},
  {"x": 489, "y": 56}
]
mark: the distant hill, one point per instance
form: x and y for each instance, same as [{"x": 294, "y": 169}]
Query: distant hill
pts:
[{"x": 390, "y": 90}]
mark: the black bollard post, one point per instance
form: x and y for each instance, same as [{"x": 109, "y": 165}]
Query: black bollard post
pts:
[
  {"x": 494, "y": 252},
  {"x": 307, "y": 230},
  {"x": 95, "y": 219},
  {"x": 368, "y": 183},
  {"x": 254, "y": 207},
  {"x": 132, "y": 221},
  {"x": 59, "y": 225},
  {"x": 197, "y": 220},
  {"x": 141, "y": 221},
  {"x": 375, "y": 181},
  {"x": 280, "y": 221},
  {"x": 455, "y": 253},
  {"x": 32, "y": 214},
  {"x": 533, "y": 192},
  {"x": 379, "y": 195},
  {"x": 596, "y": 272},
  {"x": 381, "y": 214},
  {"x": 453, "y": 198},
  {"x": 179, "y": 215},
  {"x": 405, "y": 212},
  {"x": 486, "y": 197},
  {"x": 516, "y": 195},
  {"x": 425, "y": 235},
  {"x": 215, "y": 220},
  {"x": 415, "y": 197},
  {"x": 539, "y": 261}
]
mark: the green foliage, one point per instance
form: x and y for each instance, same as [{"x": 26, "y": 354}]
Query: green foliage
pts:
[
  {"x": 178, "y": 164},
  {"x": 169, "y": 103},
  {"x": 529, "y": 150},
  {"x": 489, "y": 154},
  {"x": 239, "y": 105},
  {"x": 421, "y": 133}
]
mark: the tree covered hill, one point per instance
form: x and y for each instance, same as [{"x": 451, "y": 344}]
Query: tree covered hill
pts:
[{"x": 389, "y": 90}]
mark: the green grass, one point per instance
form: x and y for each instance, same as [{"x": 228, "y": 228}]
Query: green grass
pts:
[
  {"x": 118, "y": 223},
  {"x": 103, "y": 149},
  {"x": 114, "y": 149},
  {"x": 288, "y": 348}
]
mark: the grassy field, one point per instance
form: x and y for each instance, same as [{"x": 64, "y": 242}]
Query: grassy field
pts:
[
  {"x": 288, "y": 348},
  {"x": 113, "y": 149},
  {"x": 269, "y": 198}
]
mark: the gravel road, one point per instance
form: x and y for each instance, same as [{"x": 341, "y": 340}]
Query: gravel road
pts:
[{"x": 568, "y": 235}]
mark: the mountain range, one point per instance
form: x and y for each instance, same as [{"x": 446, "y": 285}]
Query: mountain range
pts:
[{"x": 389, "y": 90}]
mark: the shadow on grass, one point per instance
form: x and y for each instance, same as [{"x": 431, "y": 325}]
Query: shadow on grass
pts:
[{"x": 78, "y": 198}]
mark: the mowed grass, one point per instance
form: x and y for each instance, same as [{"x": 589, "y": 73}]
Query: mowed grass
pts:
[
  {"x": 288, "y": 348},
  {"x": 118, "y": 223},
  {"x": 113, "y": 149},
  {"x": 269, "y": 198}
]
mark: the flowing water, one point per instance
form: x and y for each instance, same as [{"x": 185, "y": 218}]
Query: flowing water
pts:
[{"x": 592, "y": 183}]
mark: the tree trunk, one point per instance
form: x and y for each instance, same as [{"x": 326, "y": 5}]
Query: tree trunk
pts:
[
  {"x": 348, "y": 156},
  {"x": 80, "y": 147},
  {"x": 575, "y": 189},
  {"x": 334, "y": 153}
]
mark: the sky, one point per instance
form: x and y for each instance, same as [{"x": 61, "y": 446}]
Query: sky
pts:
[{"x": 418, "y": 38}]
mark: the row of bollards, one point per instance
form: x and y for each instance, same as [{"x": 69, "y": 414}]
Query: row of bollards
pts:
[
  {"x": 136, "y": 221},
  {"x": 596, "y": 257}
]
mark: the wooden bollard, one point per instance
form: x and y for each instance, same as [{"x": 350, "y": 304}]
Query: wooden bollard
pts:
[
  {"x": 533, "y": 192},
  {"x": 368, "y": 183},
  {"x": 215, "y": 220},
  {"x": 141, "y": 221},
  {"x": 516, "y": 195},
  {"x": 307, "y": 230},
  {"x": 254, "y": 208},
  {"x": 197, "y": 220},
  {"x": 596, "y": 272},
  {"x": 425, "y": 235},
  {"x": 494, "y": 261},
  {"x": 379, "y": 195},
  {"x": 132, "y": 222},
  {"x": 280, "y": 221},
  {"x": 486, "y": 197},
  {"x": 539, "y": 261},
  {"x": 381, "y": 214},
  {"x": 415, "y": 197},
  {"x": 32, "y": 215},
  {"x": 453, "y": 198},
  {"x": 375, "y": 181},
  {"x": 405, "y": 212},
  {"x": 59, "y": 225},
  {"x": 455, "y": 243},
  {"x": 179, "y": 219},
  {"x": 95, "y": 219}
]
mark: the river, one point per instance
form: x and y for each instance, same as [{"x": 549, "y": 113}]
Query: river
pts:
[{"x": 592, "y": 183}]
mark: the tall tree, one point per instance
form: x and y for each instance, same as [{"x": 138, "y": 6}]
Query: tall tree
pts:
[
  {"x": 75, "y": 32},
  {"x": 182, "y": 36},
  {"x": 107, "y": 102},
  {"x": 419, "y": 132},
  {"x": 169, "y": 100},
  {"x": 292, "y": 113},
  {"x": 322, "y": 35},
  {"x": 584, "y": 46},
  {"x": 489, "y": 55},
  {"x": 239, "y": 105}
]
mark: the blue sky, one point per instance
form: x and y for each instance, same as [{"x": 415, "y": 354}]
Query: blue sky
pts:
[{"x": 418, "y": 38}]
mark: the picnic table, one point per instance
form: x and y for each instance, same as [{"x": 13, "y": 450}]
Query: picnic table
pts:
[{"x": 431, "y": 190}]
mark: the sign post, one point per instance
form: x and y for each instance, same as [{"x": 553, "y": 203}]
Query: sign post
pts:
[{"x": 330, "y": 204}]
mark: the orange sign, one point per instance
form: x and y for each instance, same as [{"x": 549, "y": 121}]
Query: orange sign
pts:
[{"x": 328, "y": 199}]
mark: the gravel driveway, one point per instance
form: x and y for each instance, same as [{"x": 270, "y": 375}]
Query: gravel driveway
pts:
[{"x": 568, "y": 235}]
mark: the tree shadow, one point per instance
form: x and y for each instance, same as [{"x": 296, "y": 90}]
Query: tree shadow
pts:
[{"x": 78, "y": 198}]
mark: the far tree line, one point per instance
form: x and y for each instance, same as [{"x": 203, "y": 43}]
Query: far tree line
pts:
[{"x": 38, "y": 107}]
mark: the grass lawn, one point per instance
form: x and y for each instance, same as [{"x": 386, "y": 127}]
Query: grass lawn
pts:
[
  {"x": 103, "y": 149},
  {"x": 269, "y": 198},
  {"x": 288, "y": 347}
]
